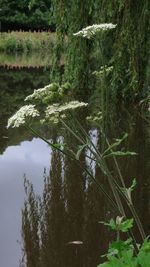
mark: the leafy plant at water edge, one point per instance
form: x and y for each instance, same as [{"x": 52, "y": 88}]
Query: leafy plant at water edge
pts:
[
  {"x": 120, "y": 225},
  {"x": 121, "y": 253},
  {"x": 57, "y": 112}
]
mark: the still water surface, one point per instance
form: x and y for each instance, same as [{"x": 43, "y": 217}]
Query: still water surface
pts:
[
  {"x": 20, "y": 154},
  {"x": 70, "y": 206}
]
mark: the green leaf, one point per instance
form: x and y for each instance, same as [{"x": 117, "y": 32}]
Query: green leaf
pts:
[
  {"x": 121, "y": 154},
  {"x": 81, "y": 148},
  {"x": 128, "y": 191},
  {"x": 105, "y": 264},
  {"x": 146, "y": 245},
  {"x": 126, "y": 225},
  {"x": 144, "y": 254},
  {"x": 118, "y": 247},
  {"x": 111, "y": 224},
  {"x": 117, "y": 143},
  {"x": 133, "y": 185},
  {"x": 117, "y": 225},
  {"x": 58, "y": 145}
]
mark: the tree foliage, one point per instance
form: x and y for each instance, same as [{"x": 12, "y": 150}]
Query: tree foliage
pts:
[
  {"x": 20, "y": 14},
  {"x": 126, "y": 49}
]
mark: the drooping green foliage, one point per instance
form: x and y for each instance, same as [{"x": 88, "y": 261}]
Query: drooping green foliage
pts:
[
  {"x": 131, "y": 53},
  {"x": 74, "y": 16},
  {"x": 126, "y": 50}
]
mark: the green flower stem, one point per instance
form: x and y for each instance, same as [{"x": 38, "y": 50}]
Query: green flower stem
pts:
[{"x": 77, "y": 161}]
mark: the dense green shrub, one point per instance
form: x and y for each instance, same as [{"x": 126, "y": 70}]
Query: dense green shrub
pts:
[{"x": 17, "y": 14}]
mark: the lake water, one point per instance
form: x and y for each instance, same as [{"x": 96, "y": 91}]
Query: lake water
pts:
[{"x": 70, "y": 206}]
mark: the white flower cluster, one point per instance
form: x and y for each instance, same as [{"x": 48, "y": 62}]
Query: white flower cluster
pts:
[
  {"x": 19, "y": 118},
  {"x": 95, "y": 118},
  {"x": 90, "y": 31},
  {"x": 56, "y": 108},
  {"x": 40, "y": 93},
  {"x": 104, "y": 69}
]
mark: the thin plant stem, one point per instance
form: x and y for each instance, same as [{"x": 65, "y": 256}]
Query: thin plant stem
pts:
[
  {"x": 113, "y": 188},
  {"x": 128, "y": 201},
  {"x": 77, "y": 161},
  {"x": 113, "y": 184}
]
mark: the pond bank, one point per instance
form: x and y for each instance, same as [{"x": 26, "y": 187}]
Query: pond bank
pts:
[{"x": 20, "y": 41}]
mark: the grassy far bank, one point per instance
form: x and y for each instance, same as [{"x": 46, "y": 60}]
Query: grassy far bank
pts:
[{"x": 20, "y": 41}]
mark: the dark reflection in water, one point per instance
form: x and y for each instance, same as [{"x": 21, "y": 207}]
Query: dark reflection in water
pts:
[
  {"x": 68, "y": 211},
  {"x": 70, "y": 206}
]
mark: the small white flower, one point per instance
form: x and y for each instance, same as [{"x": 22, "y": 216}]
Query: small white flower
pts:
[
  {"x": 19, "y": 118},
  {"x": 90, "y": 31},
  {"x": 104, "y": 69}
]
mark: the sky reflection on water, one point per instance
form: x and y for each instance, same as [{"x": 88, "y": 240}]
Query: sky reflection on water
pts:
[{"x": 29, "y": 158}]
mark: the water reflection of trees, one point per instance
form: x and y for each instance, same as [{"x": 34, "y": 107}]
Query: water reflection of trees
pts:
[
  {"x": 68, "y": 210},
  {"x": 71, "y": 206}
]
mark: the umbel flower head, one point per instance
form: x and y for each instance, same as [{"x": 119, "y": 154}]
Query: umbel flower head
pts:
[
  {"x": 57, "y": 109},
  {"x": 42, "y": 92},
  {"x": 19, "y": 118},
  {"x": 52, "y": 113},
  {"x": 104, "y": 70},
  {"x": 90, "y": 31}
]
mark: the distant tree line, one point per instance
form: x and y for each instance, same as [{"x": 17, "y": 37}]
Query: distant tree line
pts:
[{"x": 20, "y": 14}]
